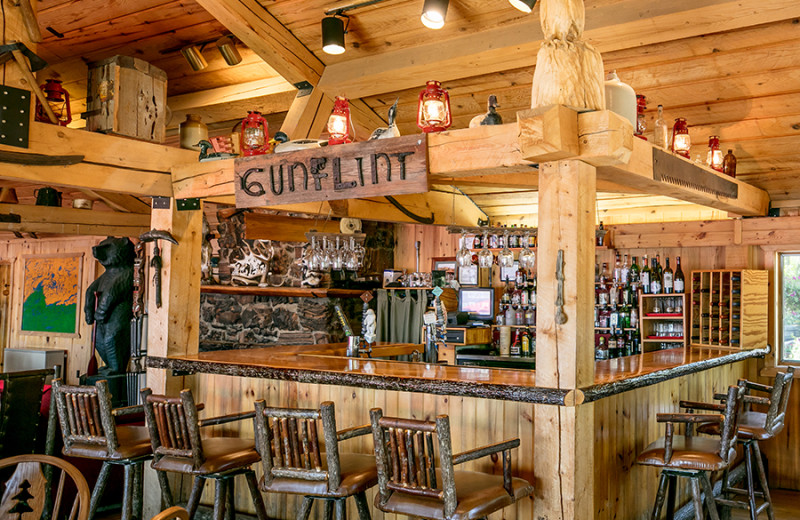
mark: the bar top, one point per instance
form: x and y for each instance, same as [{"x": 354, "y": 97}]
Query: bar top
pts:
[{"x": 326, "y": 364}]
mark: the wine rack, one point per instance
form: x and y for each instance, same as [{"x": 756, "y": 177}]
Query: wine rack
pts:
[{"x": 729, "y": 308}]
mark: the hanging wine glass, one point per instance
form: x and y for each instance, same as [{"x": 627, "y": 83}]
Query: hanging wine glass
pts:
[
  {"x": 527, "y": 258},
  {"x": 337, "y": 256},
  {"x": 317, "y": 256},
  {"x": 325, "y": 262},
  {"x": 351, "y": 258},
  {"x": 485, "y": 257},
  {"x": 464, "y": 255},
  {"x": 506, "y": 257}
]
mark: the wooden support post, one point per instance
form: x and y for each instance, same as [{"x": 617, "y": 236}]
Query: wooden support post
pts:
[
  {"x": 563, "y": 436},
  {"x": 173, "y": 329}
]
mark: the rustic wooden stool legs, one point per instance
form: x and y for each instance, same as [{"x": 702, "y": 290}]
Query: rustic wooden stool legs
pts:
[
  {"x": 335, "y": 507},
  {"x": 224, "y": 494},
  {"x": 701, "y": 493},
  {"x": 132, "y": 503},
  {"x": 751, "y": 451}
]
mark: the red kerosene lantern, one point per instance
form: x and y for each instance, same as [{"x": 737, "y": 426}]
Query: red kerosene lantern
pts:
[
  {"x": 339, "y": 122},
  {"x": 255, "y": 134},
  {"x": 433, "y": 113},
  {"x": 681, "y": 142},
  {"x": 58, "y": 100},
  {"x": 714, "y": 158}
]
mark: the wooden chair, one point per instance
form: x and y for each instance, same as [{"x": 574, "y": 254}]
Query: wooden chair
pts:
[
  {"x": 20, "y": 404},
  {"x": 692, "y": 456},
  {"x": 753, "y": 427},
  {"x": 410, "y": 482},
  {"x": 88, "y": 425},
  {"x": 26, "y": 491},
  {"x": 178, "y": 447},
  {"x": 174, "y": 512},
  {"x": 295, "y": 460}
]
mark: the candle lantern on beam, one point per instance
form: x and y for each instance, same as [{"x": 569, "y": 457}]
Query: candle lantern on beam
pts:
[
  {"x": 433, "y": 112},
  {"x": 339, "y": 122}
]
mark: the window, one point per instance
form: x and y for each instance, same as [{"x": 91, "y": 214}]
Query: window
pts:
[{"x": 789, "y": 307}]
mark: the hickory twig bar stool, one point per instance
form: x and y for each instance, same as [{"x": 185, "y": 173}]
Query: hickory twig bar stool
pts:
[
  {"x": 693, "y": 457},
  {"x": 410, "y": 482},
  {"x": 178, "y": 447},
  {"x": 753, "y": 427},
  {"x": 90, "y": 431},
  {"x": 296, "y": 462}
]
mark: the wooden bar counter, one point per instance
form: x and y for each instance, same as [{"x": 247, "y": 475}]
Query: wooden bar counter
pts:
[{"x": 485, "y": 404}]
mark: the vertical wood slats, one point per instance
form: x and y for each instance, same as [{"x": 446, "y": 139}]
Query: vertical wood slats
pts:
[
  {"x": 83, "y": 415},
  {"x": 295, "y": 443},
  {"x": 173, "y": 432},
  {"x": 411, "y": 459}
]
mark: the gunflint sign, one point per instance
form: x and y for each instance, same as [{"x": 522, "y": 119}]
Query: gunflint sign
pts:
[{"x": 376, "y": 168}]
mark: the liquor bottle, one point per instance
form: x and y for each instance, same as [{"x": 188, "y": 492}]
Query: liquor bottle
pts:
[
  {"x": 601, "y": 351},
  {"x": 655, "y": 278},
  {"x": 624, "y": 344},
  {"x": 602, "y": 297},
  {"x": 625, "y": 273},
  {"x": 532, "y": 293},
  {"x": 644, "y": 277},
  {"x": 476, "y": 242},
  {"x": 636, "y": 342},
  {"x": 668, "y": 278},
  {"x": 658, "y": 266},
  {"x": 679, "y": 282},
  {"x": 729, "y": 164},
  {"x": 661, "y": 130},
  {"x": 596, "y": 270},
  {"x": 617, "y": 270},
  {"x": 525, "y": 343},
  {"x": 634, "y": 317},
  {"x": 614, "y": 320},
  {"x": 601, "y": 235},
  {"x": 516, "y": 346},
  {"x": 633, "y": 273}
]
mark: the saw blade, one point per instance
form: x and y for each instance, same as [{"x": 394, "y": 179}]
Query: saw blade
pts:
[{"x": 674, "y": 170}]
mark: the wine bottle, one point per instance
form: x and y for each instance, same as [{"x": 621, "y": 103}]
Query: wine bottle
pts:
[
  {"x": 617, "y": 269},
  {"x": 668, "y": 278},
  {"x": 679, "y": 281},
  {"x": 661, "y": 137},
  {"x": 644, "y": 277},
  {"x": 655, "y": 278},
  {"x": 633, "y": 273}
]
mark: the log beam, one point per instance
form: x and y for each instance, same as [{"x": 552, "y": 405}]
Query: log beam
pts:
[
  {"x": 93, "y": 177},
  {"x": 69, "y": 221}
]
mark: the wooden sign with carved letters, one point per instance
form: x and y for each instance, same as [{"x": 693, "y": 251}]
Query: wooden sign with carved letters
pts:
[{"x": 376, "y": 168}]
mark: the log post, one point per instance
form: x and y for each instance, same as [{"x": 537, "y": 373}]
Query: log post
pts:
[
  {"x": 563, "y": 436},
  {"x": 173, "y": 329}
]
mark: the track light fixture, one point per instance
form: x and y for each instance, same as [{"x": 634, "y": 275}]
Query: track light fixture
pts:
[
  {"x": 227, "y": 47},
  {"x": 434, "y": 13},
  {"x": 526, "y": 6},
  {"x": 194, "y": 57},
  {"x": 333, "y": 31}
]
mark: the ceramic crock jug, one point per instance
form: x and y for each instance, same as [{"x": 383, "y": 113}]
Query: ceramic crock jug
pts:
[{"x": 47, "y": 197}]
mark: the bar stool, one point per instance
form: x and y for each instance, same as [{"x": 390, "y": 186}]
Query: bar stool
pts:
[
  {"x": 90, "y": 431},
  {"x": 179, "y": 448},
  {"x": 753, "y": 427},
  {"x": 410, "y": 483},
  {"x": 693, "y": 457},
  {"x": 294, "y": 461}
]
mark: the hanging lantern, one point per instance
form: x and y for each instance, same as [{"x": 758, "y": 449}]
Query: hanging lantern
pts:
[
  {"x": 58, "y": 100},
  {"x": 339, "y": 122},
  {"x": 681, "y": 142},
  {"x": 434, "y": 108},
  {"x": 255, "y": 134},
  {"x": 715, "y": 157}
]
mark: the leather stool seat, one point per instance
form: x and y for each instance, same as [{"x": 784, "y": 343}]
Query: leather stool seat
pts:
[
  {"x": 751, "y": 426},
  {"x": 221, "y": 454},
  {"x": 477, "y": 495},
  {"x": 690, "y": 453},
  {"x": 134, "y": 442},
  {"x": 358, "y": 473}
]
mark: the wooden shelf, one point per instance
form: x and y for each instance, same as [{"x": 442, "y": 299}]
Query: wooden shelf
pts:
[{"x": 288, "y": 292}]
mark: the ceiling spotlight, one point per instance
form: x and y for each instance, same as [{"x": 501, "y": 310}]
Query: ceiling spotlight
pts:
[
  {"x": 227, "y": 47},
  {"x": 526, "y": 6},
  {"x": 333, "y": 31},
  {"x": 194, "y": 57},
  {"x": 434, "y": 13}
]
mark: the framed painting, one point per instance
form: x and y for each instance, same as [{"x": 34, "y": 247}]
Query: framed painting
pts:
[{"x": 51, "y": 294}]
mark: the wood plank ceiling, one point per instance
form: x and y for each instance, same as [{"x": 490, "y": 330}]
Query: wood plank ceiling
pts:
[{"x": 731, "y": 68}]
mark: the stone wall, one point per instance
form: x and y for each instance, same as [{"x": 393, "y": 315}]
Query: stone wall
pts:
[{"x": 249, "y": 321}]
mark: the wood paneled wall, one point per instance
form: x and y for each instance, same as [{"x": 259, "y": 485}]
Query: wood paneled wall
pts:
[
  {"x": 78, "y": 348},
  {"x": 624, "y": 425}
]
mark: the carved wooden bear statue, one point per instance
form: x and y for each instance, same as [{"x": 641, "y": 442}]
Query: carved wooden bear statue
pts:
[{"x": 109, "y": 303}]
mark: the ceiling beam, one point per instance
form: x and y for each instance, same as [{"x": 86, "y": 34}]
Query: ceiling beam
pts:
[
  {"x": 120, "y": 201},
  {"x": 92, "y": 177},
  {"x": 611, "y": 27},
  {"x": 266, "y": 36},
  {"x": 47, "y": 219},
  {"x": 229, "y": 94}
]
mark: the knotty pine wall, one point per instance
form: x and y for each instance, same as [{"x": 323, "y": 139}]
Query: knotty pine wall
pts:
[{"x": 78, "y": 348}]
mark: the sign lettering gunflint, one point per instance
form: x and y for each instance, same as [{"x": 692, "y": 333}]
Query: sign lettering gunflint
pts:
[{"x": 397, "y": 166}]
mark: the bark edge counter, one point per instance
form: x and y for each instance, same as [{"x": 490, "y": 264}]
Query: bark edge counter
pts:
[{"x": 325, "y": 364}]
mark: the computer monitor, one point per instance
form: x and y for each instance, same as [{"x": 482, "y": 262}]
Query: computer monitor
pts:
[{"x": 477, "y": 302}]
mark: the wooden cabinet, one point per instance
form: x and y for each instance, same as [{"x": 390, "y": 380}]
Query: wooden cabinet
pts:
[
  {"x": 663, "y": 320},
  {"x": 729, "y": 308}
]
